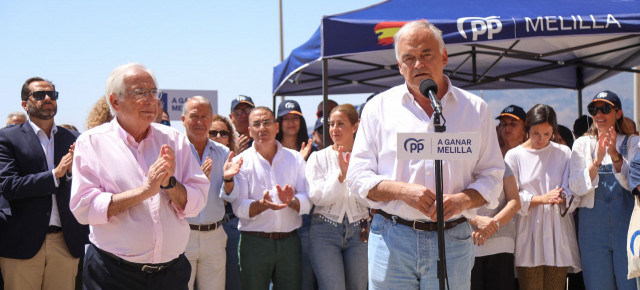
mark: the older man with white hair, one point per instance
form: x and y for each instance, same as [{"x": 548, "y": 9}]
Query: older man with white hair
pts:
[
  {"x": 135, "y": 183},
  {"x": 206, "y": 249}
]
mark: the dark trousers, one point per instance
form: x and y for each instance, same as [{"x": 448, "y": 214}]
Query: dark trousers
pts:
[
  {"x": 102, "y": 272},
  {"x": 493, "y": 272},
  {"x": 263, "y": 261}
]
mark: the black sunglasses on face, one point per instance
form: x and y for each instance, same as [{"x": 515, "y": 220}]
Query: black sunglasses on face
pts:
[
  {"x": 606, "y": 109},
  {"x": 223, "y": 133},
  {"x": 40, "y": 95}
]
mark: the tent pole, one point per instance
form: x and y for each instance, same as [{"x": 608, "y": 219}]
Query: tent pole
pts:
[
  {"x": 473, "y": 64},
  {"x": 579, "y": 86},
  {"x": 636, "y": 95},
  {"x": 579, "y": 102},
  {"x": 325, "y": 97}
]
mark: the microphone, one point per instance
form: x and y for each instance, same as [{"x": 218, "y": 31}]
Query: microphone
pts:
[{"x": 429, "y": 89}]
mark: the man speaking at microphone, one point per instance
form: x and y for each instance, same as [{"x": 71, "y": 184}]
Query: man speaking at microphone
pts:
[{"x": 403, "y": 247}]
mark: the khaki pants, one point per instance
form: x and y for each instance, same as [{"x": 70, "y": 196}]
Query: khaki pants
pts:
[
  {"x": 207, "y": 255},
  {"x": 52, "y": 267}
]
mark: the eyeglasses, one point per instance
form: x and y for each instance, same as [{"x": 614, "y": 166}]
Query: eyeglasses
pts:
[
  {"x": 140, "y": 94},
  {"x": 606, "y": 109},
  {"x": 240, "y": 112},
  {"x": 223, "y": 133},
  {"x": 40, "y": 95},
  {"x": 165, "y": 122},
  {"x": 265, "y": 123},
  {"x": 564, "y": 208}
]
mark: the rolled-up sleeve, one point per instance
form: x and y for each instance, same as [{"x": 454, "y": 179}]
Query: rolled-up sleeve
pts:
[
  {"x": 489, "y": 169},
  {"x": 88, "y": 202}
]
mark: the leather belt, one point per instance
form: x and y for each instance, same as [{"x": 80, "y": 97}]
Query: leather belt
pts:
[
  {"x": 147, "y": 268},
  {"x": 205, "y": 228},
  {"x": 419, "y": 225},
  {"x": 54, "y": 229},
  {"x": 271, "y": 236}
]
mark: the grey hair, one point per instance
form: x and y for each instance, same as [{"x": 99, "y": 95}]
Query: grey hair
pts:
[
  {"x": 200, "y": 100},
  {"x": 16, "y": 114},
  {"x": 115, "y": 81},
  {"x": 417, "y": 24}
]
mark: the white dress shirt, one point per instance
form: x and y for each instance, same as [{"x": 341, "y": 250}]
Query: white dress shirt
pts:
[
  {"x": 256, "y": 176},
  {"x": 584, "y": 152},
  {"x": 213, "y": 211},
  {"x": 374, "y": 156},
  {"x": 332, "y": 198},
  {"x": 543, "y": 237},
  {"x": 47, "y": 144}
]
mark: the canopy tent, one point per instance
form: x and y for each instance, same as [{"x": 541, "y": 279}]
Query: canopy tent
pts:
[{"x": 499, "y": 44}]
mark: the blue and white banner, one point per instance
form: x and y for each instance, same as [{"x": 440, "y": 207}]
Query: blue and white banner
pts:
[{"x": 438, "y": 146}]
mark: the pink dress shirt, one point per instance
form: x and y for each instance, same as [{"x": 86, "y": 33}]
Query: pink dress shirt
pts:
[{"x": 107, "y": 161}]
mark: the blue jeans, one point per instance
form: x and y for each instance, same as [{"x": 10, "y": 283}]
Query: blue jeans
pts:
[
  {"x": 233, "y": 268},
  {"x": 403, "y": 258},
  {"x": 338, "y": 255},
  {"x": 308, "y": 277},
  {"x": 602, "y": 235}
]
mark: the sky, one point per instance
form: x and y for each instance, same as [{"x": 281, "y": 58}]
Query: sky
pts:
[{"x": 228, "y": 46}]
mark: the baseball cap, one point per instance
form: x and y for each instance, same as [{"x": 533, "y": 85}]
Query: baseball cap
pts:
[
  {"x": 513, "y": 111},
  {"x": 289, "y": 106},
  {"x": 319, "y": 124},
  {"x": 608, "y": 97},
  {"x": 241, "y": 99}
]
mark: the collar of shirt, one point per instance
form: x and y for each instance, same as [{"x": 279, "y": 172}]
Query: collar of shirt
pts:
[
  {"x": 128, "y": 138},
  {"x": 39, "y": 131}
]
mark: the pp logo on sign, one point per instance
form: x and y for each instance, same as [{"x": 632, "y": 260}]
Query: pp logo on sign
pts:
[
  {"x": 413, "y": 144},
  {"x": 480, "y": 26}
]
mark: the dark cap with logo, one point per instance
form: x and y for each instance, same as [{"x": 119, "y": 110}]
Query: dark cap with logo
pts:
[
  {"x": 608, "y": 97},
  {"x": 240, "y": 100},
  {"x": 289, "y": 106},
  {"x": 319, "y": 124},
  {"x": 513, "y": 111}
]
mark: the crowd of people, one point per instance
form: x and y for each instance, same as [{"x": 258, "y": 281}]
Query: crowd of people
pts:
[{"x": 254, "y": 201}]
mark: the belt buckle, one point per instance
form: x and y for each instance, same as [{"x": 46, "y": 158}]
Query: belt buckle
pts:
[
  {"x": 414, "y": 226},
  {"x": 151, "y": 269}
]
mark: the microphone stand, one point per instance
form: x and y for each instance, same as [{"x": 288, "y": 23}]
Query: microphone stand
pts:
[{"x": 442, "y": 261}]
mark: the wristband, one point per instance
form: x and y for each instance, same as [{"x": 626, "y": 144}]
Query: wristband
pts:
[{"x": 227, "y": 180}]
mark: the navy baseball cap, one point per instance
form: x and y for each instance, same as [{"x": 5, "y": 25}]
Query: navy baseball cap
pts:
[
  {"x": 289, "y": 106},
  {"x": 319, "y": 124},
  {"x": 608, "y": 97},
  {"x": 513, "y": 111},
  {"x": 240, "y": 100}
]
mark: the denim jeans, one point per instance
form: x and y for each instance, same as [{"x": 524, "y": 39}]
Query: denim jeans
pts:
[
  {"x": 233, "y": 269},
  {"x": 602, "y": 235},
  {"x": 403, "y": 258},
  {"x": 308, "y": 276},
  {"x": 338, "y": 255}
]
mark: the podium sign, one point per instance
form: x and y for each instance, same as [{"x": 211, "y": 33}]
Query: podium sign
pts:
[{"x": 438, "y": 146}]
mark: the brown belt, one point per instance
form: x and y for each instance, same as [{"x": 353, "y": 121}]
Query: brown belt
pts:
[
  {"x": 205, "y": 228},
  {"x": 271, "y": 236},
  {"x": 421, "y": 226}
]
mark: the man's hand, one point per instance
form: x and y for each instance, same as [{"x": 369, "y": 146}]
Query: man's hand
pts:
[
  {"x": 452, "y": 204},
  {"x": 206, "y": 167},
  {"x": 419, "y": 197},
  {"x": 169, "y": 164},
  {"x": 269, "y": 203},
  {"x": 65, "y": 163},
  {"x": 285, "y": 194},
  {"x": 231, "y": 168},
  {"x": 157, "y": 175},
  {"x": 243, "y": 143}
]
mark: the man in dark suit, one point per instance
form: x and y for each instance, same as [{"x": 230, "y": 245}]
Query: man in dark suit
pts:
[{"x": 41, "y": 241}]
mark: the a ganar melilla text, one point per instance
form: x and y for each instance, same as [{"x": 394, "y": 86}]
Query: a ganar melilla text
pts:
[{"x": 454, "y": 146}]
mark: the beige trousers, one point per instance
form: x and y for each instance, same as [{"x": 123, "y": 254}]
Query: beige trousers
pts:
[
  {"x": 52, "y": 267},
  {"x": 207, "y": 254}
]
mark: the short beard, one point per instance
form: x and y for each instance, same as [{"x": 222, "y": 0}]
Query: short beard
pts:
[{"x": 41, "y": 114}]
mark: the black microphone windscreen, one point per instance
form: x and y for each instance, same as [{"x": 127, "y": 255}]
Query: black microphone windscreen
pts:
[{"x": 428, "y": 85}]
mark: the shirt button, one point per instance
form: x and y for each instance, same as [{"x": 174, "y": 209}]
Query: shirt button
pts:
[{"x": 428, "y": 173}]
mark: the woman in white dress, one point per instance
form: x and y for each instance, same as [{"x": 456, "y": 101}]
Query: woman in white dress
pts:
[{"x": 546, "y": 245}]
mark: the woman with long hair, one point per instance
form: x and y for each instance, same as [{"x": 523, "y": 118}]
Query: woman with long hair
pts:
[
  {"x": 546, "y": 245},
  {"x": 338, "y": 228},
  {"x": 293, "y": 128},
  {"x": 221, "y": 131},
  {"x": 600, "y": 176}
]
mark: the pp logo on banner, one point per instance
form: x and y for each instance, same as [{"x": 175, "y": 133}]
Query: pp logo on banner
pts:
[{"x": 413, "y": 145}]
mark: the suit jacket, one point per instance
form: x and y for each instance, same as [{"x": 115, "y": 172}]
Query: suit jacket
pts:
[{"x": 27, "y": 183}]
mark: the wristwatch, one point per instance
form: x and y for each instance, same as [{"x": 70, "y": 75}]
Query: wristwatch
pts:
[
  {"x": 617, "y": 158},
  {"x": 172, "y": 183}
]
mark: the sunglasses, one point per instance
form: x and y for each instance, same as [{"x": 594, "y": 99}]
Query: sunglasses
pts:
[
  {"x": 40, "y": 95},
  {"x": 223, "y": 133},
  {"x": 606, "y": 109}
]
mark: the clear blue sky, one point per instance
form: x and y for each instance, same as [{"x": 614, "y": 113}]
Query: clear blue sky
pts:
[{"x": 228, "y": 46}]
